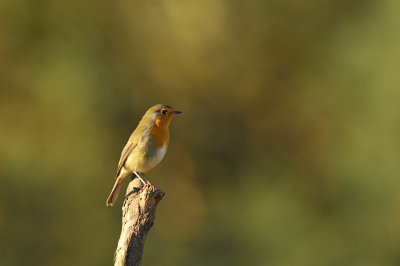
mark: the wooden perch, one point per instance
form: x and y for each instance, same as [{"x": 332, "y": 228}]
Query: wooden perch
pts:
[{"x": 138, "y": 214}]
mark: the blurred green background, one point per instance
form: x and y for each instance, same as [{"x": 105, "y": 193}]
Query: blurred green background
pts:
[{"x": 287, "y": 152}]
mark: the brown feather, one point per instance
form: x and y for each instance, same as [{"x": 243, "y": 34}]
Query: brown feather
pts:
[{"x": 125, "y": 153}]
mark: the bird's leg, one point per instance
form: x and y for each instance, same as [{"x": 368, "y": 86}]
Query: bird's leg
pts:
[
  {"x": 145, "y": 178},
  {"x": 144, "y": 183}
]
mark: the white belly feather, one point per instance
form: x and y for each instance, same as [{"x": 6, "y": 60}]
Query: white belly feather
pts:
[
  {"x": 156, "y": 159},
  {"x": 141, "y": 160}
]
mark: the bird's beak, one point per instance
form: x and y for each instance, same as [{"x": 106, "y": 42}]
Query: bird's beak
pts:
[{"x": 177, "y": 112}]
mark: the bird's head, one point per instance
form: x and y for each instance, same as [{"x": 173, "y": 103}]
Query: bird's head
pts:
[{"x": 161, "y": 114}]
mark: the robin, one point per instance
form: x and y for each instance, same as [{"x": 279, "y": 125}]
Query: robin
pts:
[{"x": 146, "y": 147}]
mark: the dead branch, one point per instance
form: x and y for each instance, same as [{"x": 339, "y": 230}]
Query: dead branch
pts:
[{"x": 138, "y": 214}]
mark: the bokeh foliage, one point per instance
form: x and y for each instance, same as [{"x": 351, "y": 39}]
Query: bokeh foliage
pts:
[{"x": 287, "y": 152}]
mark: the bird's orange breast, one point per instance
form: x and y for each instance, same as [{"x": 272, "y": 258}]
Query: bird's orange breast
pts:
[{"x": 160, "y": 133}]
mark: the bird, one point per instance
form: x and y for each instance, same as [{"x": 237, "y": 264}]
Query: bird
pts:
[{"x": 145, "y": 148}]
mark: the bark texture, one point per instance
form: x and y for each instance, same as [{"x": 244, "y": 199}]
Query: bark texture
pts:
[{"x": 138, "y": 214}]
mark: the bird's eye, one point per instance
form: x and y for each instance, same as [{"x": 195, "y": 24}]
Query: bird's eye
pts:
[{"x": 164, "y": 112}]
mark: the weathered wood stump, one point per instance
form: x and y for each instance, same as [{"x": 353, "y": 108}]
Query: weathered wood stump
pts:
[{"x": 138, "y": 214}]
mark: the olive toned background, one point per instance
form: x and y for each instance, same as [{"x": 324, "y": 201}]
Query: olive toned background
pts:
[{"x": 287, "y": 152}]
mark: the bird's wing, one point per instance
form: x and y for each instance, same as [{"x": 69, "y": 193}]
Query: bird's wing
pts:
[{"x": 124, "y": 155}]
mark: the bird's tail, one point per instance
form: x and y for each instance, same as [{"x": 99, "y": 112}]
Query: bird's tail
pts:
[{"x": 115, "y": 190}]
